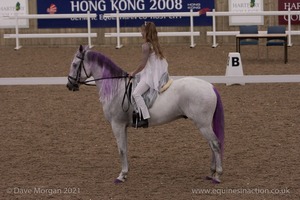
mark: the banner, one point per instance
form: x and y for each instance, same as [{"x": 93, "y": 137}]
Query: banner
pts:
[
  {"x": 284, "y": 5},
  {"x": 246, "y": 6},
  {"x": 10, "y": 8},
  {"x": 100, "y": 7}
]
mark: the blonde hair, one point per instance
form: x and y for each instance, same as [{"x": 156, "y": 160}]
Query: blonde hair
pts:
[{"x": 150, "y": 36}]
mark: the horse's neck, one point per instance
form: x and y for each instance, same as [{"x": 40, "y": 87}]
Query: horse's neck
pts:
[
  {"x": 114, "y": 95},
  {"x": 109, "y": 90},
  {"x": 110, "y": 86}
]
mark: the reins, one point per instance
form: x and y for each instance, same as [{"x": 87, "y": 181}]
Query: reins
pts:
[
  {"x": 127, "y": 92},
  {"x": 103, "y": 78}
]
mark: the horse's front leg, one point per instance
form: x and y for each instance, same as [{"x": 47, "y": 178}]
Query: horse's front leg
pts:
[{"x": 120, "y": 132}]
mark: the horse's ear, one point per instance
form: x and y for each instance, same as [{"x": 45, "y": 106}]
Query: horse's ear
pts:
[{"x": 80, "y": 48}]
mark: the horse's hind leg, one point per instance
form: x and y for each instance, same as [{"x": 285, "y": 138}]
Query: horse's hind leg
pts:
[
  {"x": 215, "y": 146},
  {"x": 216, "y": 162},
  {"x": 212, "y": 166}
]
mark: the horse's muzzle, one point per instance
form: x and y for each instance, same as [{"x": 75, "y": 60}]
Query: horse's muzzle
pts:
[{"x": 72, "y": 87}]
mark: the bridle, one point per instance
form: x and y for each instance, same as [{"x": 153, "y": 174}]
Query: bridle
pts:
[{"x": 75, "y": 81}]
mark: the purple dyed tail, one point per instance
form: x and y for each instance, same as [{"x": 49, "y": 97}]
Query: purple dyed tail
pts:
[{"x": 218, "y": 121}]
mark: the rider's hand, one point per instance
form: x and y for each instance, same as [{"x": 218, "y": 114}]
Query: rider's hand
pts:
[{"x": 131, "y": 74}]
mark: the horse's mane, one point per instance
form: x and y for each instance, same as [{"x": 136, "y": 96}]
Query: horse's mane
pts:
[{"x": 109, "y": 86}]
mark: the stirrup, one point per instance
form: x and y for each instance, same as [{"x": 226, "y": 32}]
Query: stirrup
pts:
[
  {"x": 141, "y": 124},
  {"x": 137, "y": 122}
]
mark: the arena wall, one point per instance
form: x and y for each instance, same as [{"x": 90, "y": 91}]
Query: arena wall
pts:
[{"x": 222, "y": 24}]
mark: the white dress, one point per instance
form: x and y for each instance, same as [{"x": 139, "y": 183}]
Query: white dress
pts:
[{"x": 153, "y": 71}]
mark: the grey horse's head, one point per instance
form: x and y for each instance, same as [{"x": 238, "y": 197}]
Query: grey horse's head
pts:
[{"x": 77, "y": 72}]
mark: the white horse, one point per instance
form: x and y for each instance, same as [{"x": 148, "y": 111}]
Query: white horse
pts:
[{"x": 188, "y": 97}]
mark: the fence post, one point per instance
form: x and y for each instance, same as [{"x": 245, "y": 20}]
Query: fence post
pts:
[
  {"x": 214, "y": 29},
  {"x": 89, "y": 29},
  {"x": 17, "y": 33},
  {"x": 118, "y": 31},
  {"x": 289, "y": 28},
  {"x": 192, "y": 28}
]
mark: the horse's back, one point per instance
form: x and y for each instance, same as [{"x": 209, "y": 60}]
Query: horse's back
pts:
[
  {"x": 187, "y": 96},
  {"x": 194, "y": 90},
  {"x": 192, "y": 83}
]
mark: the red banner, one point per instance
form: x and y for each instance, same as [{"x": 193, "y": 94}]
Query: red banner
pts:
[{"x": 284, "y": 5}]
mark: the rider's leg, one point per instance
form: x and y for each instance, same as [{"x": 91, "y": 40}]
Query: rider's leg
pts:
[{"x": 140, "y": 89}]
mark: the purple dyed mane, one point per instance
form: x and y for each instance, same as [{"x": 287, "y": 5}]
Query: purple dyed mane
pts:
[{"x": 109, "y": 70}]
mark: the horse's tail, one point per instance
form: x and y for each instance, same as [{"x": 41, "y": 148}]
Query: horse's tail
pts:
[{"x": 218, "y": 121}]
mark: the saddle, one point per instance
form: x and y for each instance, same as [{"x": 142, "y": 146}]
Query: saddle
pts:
[{"x": 149, "y": 96}]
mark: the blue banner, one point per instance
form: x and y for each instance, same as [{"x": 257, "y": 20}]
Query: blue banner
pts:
[{"x": 100, "y": 7}]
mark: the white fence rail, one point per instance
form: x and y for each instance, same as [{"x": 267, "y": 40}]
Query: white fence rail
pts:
[
  {"x": 211, "y": 79},
  {"x": 17, "y": 35},
  {"x": 216, "y": 33},
  {"x": 118, "y": 17}
]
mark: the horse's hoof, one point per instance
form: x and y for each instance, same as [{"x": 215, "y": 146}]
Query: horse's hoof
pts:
[
  {"x": 117, "y": 181},
  {"x": 216, "y": 181}
]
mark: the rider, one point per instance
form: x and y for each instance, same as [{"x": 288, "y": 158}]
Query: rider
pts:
[{"x": 151, "y": 68}]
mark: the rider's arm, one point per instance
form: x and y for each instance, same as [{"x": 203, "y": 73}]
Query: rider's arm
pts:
[{"x": 144, "y": 59}]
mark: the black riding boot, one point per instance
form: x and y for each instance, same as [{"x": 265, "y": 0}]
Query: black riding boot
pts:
[{"x": 137, "y": 122}]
